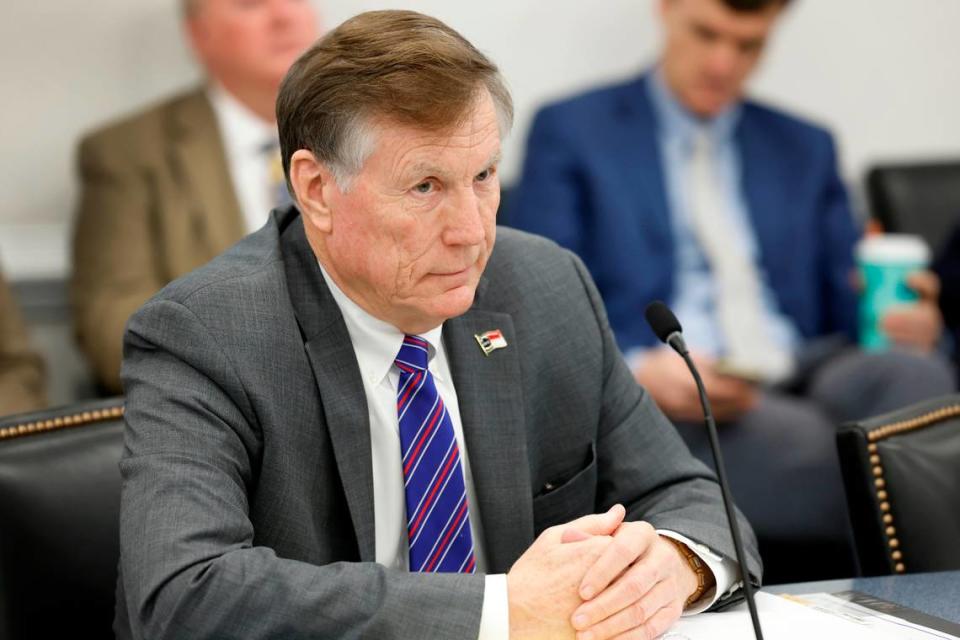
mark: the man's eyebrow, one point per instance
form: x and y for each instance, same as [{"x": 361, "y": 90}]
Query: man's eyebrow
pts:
[
  {"x": 495, "y": 158},
  {"x": 421, "y": 168}
]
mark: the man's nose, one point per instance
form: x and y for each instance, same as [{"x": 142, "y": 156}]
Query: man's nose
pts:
[
  {"x": 723, "y": 60},
  {"x": 465, "y": 222}
]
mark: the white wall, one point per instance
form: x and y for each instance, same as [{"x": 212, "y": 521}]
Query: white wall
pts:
[{"x": 882, "y": 73}]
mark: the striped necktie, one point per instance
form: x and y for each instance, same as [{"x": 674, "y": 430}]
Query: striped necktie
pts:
[{"x": 438, "y": 517}]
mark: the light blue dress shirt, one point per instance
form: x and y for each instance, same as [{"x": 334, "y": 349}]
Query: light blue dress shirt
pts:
[{"x": 695, "y": 291}]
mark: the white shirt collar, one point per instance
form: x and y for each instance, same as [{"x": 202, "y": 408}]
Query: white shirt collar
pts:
[
  {"x": 376, "y": 342},
  {"x": 680, "y": 125},
  {"x": 244, "y": 132}
]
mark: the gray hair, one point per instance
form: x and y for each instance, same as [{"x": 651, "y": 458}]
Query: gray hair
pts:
[{"x": 398, "y": 66}]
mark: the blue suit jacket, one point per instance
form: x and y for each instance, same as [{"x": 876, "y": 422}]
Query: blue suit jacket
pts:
[{"x": 593, "y": 182}]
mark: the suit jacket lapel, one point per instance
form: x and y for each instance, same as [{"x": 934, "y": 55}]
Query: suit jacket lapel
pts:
[
  {"x": 488, "y": 392},
  {"x": 646, "y": 181},
  {"x": 201, "y": 166},
  {"x": 492, "y": 413},
  {"x": 762, "y": 182},
  {"x": 337, "y": 373}
]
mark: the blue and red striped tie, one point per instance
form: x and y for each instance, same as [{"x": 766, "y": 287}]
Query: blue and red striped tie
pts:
[{"x": 438, "y": 516}]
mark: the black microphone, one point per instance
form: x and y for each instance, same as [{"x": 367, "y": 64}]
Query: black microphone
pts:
[{"x": 666, "y": 326}]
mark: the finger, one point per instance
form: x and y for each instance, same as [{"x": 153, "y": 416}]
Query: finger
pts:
[
  {"x": 910, "y": 342},
  {"x": 723, "y": 408},
  {"x": 925, "y": 283},
  {"x": 750, "y": 399},
  {"x": 598, "y": 524},
  {"x": 728, "y": 387},
  {"x": 727, "y": 415},
  {"x": 731, "y": 408},
  {"x": 902, "y": 325},
  {"x": 900, "y": 321},
  {"x": 918, "y": 343},
  {"x": 573, "y": 535},
  {"x": 622, "y": 610},
  {"x": 704, "y": 361},
  {"x": 743, "y": 399},
  {"x": 574, "y": 558},
  {"x": 629, "y": 543},
  {"x": 725, "y": 411},
  {"x": 918, "y": 325},
  {"x": 656, "y": 626}
]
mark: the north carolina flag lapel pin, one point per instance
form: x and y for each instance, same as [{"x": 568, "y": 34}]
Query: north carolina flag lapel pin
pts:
[{"x": 490, "y": 341}]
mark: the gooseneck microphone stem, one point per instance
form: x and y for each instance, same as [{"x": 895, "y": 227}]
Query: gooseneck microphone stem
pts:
[
  {"x": 666, "y": 327},
  {"x": 725, "y": 491}
]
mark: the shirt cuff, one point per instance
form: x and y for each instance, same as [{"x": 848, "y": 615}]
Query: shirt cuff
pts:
[
  {"x": 725, "y": 572},
  {"x": 495, "y": 614}
]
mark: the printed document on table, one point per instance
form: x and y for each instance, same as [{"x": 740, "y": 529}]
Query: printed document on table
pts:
[{"x": 801, "y": 618}]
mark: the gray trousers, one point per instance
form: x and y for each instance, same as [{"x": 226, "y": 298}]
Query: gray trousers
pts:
[{"x": 782, "y": 459}]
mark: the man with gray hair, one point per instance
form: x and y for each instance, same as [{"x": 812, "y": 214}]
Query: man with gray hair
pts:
[
  {"x": 165, "y": 190},
  {"x": 366, "y": 421}
]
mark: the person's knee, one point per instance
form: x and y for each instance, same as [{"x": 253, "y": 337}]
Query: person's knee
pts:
[
  {"x": 786, "y": 423},
  {"x": 929, "y": 375},
  {"x": 862, "y": 385}
]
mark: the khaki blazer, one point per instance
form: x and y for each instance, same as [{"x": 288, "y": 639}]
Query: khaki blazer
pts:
[
  {"x": 157, "y": 201},
  {"x": 22, "y": 384}
]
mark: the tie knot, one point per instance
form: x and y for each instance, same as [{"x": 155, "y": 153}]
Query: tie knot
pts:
[{"x": 414, "y": 352}]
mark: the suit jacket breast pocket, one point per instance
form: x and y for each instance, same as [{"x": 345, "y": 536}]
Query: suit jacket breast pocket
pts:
[{"x": 568, "y": 497}]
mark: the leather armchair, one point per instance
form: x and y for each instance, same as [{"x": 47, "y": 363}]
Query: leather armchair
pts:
[
  {"x": 902, "y": 476},
  {"x": 59, "y": 520},
  {"x": 917, "y": 198}
]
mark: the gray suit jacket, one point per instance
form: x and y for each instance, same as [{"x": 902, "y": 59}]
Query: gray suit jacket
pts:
[{"x": 247, "y": 506}]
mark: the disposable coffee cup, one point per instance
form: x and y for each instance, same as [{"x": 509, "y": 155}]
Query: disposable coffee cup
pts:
[{"x": 885, "y": 261}]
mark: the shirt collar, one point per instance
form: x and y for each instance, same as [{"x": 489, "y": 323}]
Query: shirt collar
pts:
[
  {"x": 244, "y": 132},
  {"x": 679, "y": 124},
  {"x": 375, "y": 342}
]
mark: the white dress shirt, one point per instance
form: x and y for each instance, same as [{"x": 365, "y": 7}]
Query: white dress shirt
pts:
[
  {"x": 376, "y": 344},
  {"x": 245, "y": 136}
]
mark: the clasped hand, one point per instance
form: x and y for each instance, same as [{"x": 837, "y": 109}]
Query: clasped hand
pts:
[{"x": 598, "y": 577}]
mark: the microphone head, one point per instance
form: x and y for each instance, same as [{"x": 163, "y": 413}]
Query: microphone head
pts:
[{"x": 662, "y": 320}]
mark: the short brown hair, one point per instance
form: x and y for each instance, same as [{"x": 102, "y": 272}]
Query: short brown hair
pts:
[{"x": 401, "y": 66}]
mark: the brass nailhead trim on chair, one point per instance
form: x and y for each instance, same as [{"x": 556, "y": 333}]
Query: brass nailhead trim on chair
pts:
[
  {"x": 881, "y": 433},
  {"x": 60, "y": 422}
]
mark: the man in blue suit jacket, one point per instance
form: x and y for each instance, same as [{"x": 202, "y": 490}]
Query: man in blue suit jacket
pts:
[{"x": 608, "y": 175}]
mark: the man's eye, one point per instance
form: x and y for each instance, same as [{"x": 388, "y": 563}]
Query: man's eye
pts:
[
  {"x": 704, "y": 34},
  {"x": 424, "y": 187},
  {"x": 485, "y": 174}
]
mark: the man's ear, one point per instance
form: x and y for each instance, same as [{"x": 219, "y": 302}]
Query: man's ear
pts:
[
  {"x": 314, "y": 186},
  {"x": 197, "y": 35}
]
